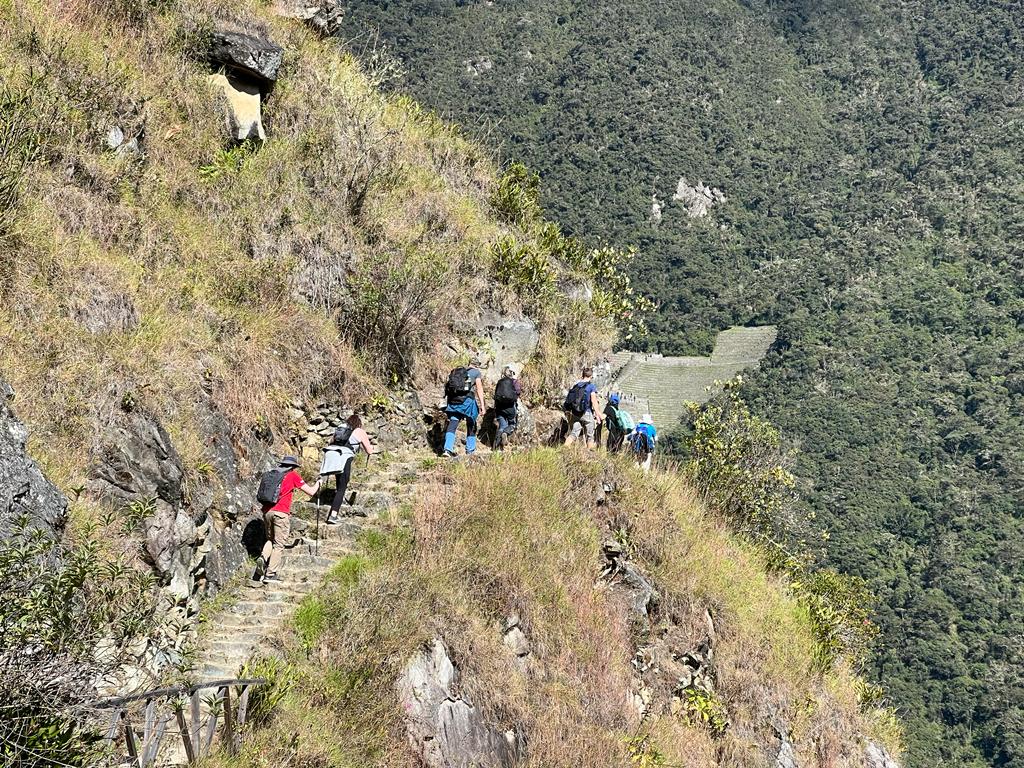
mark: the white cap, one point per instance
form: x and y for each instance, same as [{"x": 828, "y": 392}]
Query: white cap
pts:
[{"x": 646, "y": 419}]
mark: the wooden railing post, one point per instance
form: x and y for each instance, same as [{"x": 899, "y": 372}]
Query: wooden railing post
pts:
[
  {"x": 186, "y": 738},
  {"x": 197, "y": 733},
  {"x": 129, "y": 736},
  {"x": 229, "y": 723}
]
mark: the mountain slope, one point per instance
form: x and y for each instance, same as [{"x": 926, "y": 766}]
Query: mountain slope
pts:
[
  {"x": 869, "y": 156},
  {"x": 549, "y": 608}
]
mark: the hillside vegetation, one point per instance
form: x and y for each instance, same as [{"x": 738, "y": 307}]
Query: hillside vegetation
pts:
[
  {"x": 869, "y": 157},
  {"x": 527, "y": 541},
  {"x": 331, "y": 261}
]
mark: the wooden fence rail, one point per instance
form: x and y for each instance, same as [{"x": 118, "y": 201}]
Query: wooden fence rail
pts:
[{"x": 229, "y": 703}]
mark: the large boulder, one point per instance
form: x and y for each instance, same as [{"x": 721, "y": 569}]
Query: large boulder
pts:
[
  {"x": 24, "y": 490},
  {"x": 323, "y": 16},
  {"x": 246, "y": 56},
  {"x": 510, "y": 341},
  {"x": 445, "y": 729},
  {"x": 134, "y": 458}
]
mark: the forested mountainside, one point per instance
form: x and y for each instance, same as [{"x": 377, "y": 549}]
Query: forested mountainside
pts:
[{"x": 853, "y": 174}]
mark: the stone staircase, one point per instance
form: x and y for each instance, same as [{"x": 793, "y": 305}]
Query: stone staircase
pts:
[
  {"x": 661, "y": 385},
  {"x": 255, "y": 614}
]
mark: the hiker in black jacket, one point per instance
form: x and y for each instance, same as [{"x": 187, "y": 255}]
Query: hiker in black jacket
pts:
[{"x": 506, "y": 399}]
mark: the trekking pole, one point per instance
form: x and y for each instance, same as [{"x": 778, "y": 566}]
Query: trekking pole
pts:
[{"x": 316, "y": 539}]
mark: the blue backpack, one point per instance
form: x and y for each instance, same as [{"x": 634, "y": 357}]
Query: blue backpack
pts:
[{"x": 642, "y": 440}]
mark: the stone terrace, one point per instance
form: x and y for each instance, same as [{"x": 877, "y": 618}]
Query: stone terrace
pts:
[{"x": 661, "y": 385}]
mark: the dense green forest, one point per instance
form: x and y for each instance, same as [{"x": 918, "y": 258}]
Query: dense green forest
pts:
[{"x": 870, "y": 154}]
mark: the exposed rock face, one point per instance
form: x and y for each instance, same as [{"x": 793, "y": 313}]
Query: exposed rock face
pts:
[
  {"x": 246, "y": 56},
  {"x": 876, "y": 756},
  {"x": 244, "y": 119},
  {"x": 511, "y": 341},
  {"x": 24, "y": 490},
  {"x": 642, "y": 595},
  {"x": 135, "y": 458},
  {"x": 698, "y": 200},
  {"x": 446, "y": 730},
  {"x": 324, "y": 16}
]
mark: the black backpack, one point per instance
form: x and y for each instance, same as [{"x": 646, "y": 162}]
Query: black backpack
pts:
[
  {"x": 505, "y": 393},
  {"x": 269, "y": 491},
  {"x": 458, "y": 385},
  {"x": 342, "y": 435},
  {"x": 578, "y": 399}
]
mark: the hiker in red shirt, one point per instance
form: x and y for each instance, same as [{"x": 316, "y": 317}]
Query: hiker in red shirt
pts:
[{"x": 277, "y": 516}]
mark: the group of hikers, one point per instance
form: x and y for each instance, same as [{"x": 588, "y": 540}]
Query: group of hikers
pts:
[{"x": 464, "y": 402}]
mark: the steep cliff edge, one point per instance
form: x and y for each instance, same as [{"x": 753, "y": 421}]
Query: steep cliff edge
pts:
[{"x": 547, "y": 608}]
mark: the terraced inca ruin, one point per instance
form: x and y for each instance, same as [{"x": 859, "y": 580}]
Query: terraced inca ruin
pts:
[{"x": 661, "y": 386}]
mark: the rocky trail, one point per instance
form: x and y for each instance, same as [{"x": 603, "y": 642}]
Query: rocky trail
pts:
[{"x": 253, "y": 614}]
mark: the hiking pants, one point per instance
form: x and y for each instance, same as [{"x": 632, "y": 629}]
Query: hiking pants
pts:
[
  {"x": 279, "y": 525},
  {"x": 587, "y": 423},
  {"x": 341, "y": 484},
  {"x": 506, "y": 426},
  {"x": 616, "y": 438},
  {"x": 453, "y": 425}
]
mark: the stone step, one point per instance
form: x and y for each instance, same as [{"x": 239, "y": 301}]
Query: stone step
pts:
[{"x": 231, "y": 622}]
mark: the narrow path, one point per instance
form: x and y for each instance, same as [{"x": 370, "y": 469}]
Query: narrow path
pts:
[{"x": 253, "y": 615}]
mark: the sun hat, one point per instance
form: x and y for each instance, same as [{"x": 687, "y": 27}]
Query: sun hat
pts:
[
  {"x": 510, "y": 370},
  {"x": 289, "y": 461},
  {"x": 646, "y": 419}
]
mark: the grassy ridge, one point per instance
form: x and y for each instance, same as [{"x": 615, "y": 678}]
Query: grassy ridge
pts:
[{"x": 523, "y": 536}]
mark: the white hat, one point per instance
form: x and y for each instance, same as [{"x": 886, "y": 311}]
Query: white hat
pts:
[
  {"x": 510, "y": 370},
  {"x": 646, "y": 419}
]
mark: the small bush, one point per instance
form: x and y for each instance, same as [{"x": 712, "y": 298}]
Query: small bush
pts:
[
  {"x": 516, "y": 198},
  {"x": 59, "y": 603},
  {"x": 264, "y": 699}
]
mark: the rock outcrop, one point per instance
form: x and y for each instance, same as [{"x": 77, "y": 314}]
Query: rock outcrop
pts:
[
  {"x": 876, "y": 756},
  {"x": 445, "y": 729},
  {"x": 25, "y": 493},
  {"x": 697, "y": 200},
  {"x": 323, "y": 16},
  {"x": 246, "y": 56},
  {"x": 245, "y": 68}
]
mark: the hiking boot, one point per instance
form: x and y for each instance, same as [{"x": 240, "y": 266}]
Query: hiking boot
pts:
[
  {"x": 333, "y": 519},
  {"x": 271, "y": 577},
  {"x": 449, "y": 454}
]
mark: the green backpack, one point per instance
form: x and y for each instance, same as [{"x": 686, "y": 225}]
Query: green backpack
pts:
[{"x": 625, "y": 421}]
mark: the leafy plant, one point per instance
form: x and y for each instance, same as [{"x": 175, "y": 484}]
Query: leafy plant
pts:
[
  {"x": 516, "y": 198},
  {"x": 264, "y": 699},
  {"x": 229, "y": 160},
  {"x": 704, "y": 709},
  {"x": 643, "y": 752}
]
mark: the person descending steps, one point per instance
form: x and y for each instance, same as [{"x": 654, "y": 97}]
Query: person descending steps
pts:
[
  {"x": 339, "y": 457},
  {"x": 506, "y": 399},
  {"x": 619, "y": 421},
  {"x": 643, "y": 441},
  {"x": 275, "y": 496},
  {"x": 582, "y": 410},
  {"x": 464, "y": 392}
]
